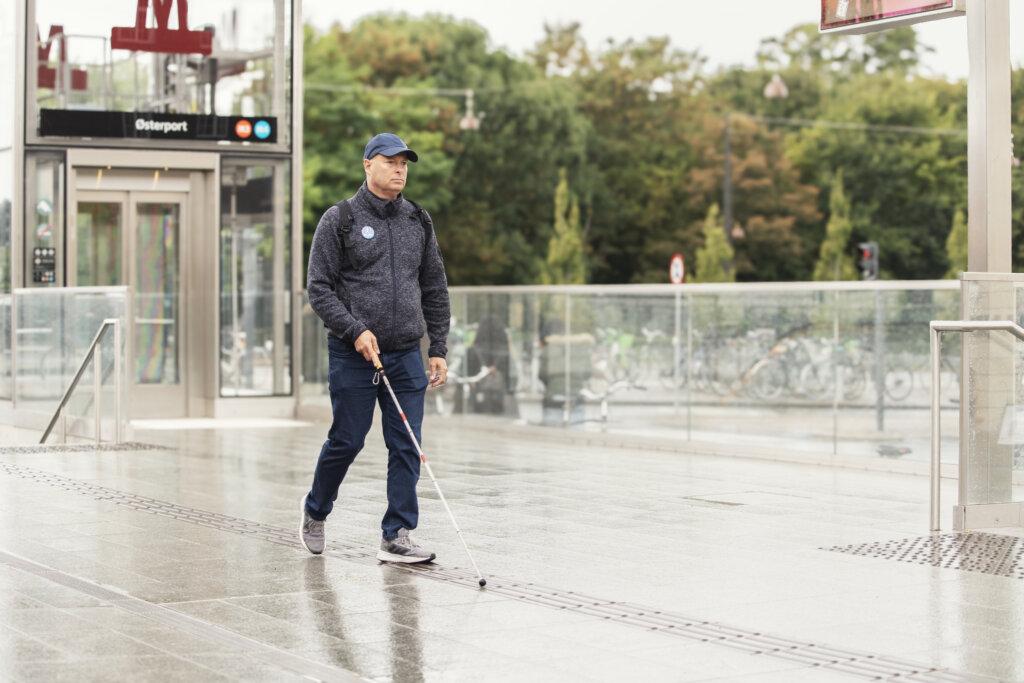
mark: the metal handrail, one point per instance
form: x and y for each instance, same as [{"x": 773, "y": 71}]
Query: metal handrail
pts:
[
  {"x": 937, "y": 327},
  {"x": 93, "y": 352}
]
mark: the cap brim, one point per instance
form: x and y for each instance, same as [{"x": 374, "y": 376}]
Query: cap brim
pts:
[{"x": 392, "y": 151}]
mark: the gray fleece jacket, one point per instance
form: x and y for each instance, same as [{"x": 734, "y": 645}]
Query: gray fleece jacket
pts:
[{"x": 382, "y": 279}]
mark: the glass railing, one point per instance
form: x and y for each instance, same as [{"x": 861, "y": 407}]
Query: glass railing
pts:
[
  {"x": 835, "y": 368},
  {"x": 53, "y": 329}
]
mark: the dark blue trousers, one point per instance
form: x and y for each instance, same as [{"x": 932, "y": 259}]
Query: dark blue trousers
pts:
[{"x": 353, "y": 395}]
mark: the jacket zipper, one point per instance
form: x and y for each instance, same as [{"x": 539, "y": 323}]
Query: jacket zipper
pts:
[{"x": 394, "y": 282}]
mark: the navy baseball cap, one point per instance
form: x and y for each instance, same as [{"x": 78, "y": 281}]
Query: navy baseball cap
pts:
[{"x": 389, "y": 145}]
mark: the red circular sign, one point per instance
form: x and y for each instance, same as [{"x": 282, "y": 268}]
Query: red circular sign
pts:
[
  {"x": 243, "y": 129},
  {"x": 677, "y": 270}
]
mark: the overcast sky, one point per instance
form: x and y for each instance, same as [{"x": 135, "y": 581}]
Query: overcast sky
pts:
[{"x": 725, "y": 38}]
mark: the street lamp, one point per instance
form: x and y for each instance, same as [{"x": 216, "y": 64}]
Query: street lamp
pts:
[
  {"x": 775, "y": 89},
  {"x": 469, "y": 121}
]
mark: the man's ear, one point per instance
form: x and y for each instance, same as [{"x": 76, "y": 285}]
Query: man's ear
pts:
[{"x": 366, "y": 165}]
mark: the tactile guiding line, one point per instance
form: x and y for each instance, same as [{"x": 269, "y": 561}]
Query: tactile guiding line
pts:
[
  {"x": 82, "y": 447},
  {"x": 856, "y": 664},
  {"x": 980, "y": 552}
]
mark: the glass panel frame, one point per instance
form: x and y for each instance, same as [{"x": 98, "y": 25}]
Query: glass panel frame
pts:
[{"x": 255, "y": 278}]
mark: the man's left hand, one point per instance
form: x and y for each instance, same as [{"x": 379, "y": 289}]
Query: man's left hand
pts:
[{"x": 438, "y": 371}]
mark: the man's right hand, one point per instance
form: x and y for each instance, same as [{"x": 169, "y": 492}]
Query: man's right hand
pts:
[{"x": 366, "y": 344}]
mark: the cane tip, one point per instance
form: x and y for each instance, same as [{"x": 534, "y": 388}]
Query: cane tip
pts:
[{"x": 483, "y": 582}]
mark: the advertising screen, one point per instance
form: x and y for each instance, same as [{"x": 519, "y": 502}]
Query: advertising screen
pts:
[{"x": 862, "y": 16}]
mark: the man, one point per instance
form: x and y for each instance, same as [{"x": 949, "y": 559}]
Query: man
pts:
[{"x": 375, "y": 275}]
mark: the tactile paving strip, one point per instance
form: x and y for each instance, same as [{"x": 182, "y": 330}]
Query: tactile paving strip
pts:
[
  {"x": 861, "y": 665},
  {"x": 82, "y": 448},
  {"x": 980, "y": 552}
]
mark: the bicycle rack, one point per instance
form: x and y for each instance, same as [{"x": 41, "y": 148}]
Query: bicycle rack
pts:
[
  {"x": 937, "y": 327},
  {"x": 93, "y": 355}
]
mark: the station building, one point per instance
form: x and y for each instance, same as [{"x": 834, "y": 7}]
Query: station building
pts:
[{"x": 157, "y": 146}]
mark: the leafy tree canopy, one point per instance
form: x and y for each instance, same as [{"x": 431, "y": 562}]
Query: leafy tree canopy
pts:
[{"x": 635, "y": 132}]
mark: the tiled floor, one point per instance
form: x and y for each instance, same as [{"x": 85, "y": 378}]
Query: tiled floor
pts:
[{"x": 604, "y": 563}]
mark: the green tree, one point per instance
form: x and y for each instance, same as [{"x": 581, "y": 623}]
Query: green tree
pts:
[
  {"x": 770, "y": 202},
  {"x": 904, "y": 166},
  {"x": 956, "y": 246},
  {"x": 638, "y": 100},
  {"x": 716, "y": 252},
  {"x": 835, "y": 262},
  {"x": 489, "y": 191},
  {"x": 654, "y": 164},
  {"x": 565, "y": 264},
  {"x": 499, "y": 225}
]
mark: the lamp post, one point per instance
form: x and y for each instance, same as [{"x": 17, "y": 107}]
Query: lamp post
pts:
[
  {"x": 775, "y": 89},
  {"x": 470, "y": 121},
  {"x": 727, "y": 219}
]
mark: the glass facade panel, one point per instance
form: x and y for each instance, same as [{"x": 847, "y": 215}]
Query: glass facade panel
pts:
[
  {"x": 210, "y": 58},
  {"x": 157, "y": 292},
  {"x": 255, "y": 276},
  {"x": 44, "y": 219},
  {"x": 100, "y": 226}
]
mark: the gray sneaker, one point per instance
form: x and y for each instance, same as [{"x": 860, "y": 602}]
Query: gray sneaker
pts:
[
  {"x": 311, "y": 532},
  {"x": 403, "y": 549}
]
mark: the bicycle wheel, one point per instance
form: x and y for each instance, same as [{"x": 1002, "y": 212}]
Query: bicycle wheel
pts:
[
  {"x": 817, "y": 380},
  {"x": 767, "y": 379},
  {"x": 899, "y": 382}
]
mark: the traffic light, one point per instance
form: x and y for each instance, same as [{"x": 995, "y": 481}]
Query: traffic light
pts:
[{"x": 868, "y": 263}]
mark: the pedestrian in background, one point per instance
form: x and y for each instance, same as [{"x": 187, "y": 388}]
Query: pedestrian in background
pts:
[{"x": 492, "y": 349}]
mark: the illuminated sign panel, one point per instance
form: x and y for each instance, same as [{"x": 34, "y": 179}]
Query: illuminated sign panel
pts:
[
  {"x": 863, "y": 16},
  {"x": 156, "y": 126}
]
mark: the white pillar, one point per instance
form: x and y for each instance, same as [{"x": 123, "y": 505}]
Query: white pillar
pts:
[{"x": 988, "y": 136}]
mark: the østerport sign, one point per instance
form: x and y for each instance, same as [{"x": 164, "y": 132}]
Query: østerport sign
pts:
[
  {"x": 864, "y": 16},
  {"x": 156, "y": 126}
]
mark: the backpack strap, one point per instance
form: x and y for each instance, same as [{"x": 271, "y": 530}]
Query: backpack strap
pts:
[
  {"x": 345, "y": 222},
  {"x": 426, "y": 222}
]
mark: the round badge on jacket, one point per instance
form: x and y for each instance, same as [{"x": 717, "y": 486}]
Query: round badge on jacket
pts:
[{"x": 368, "y": 232}]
